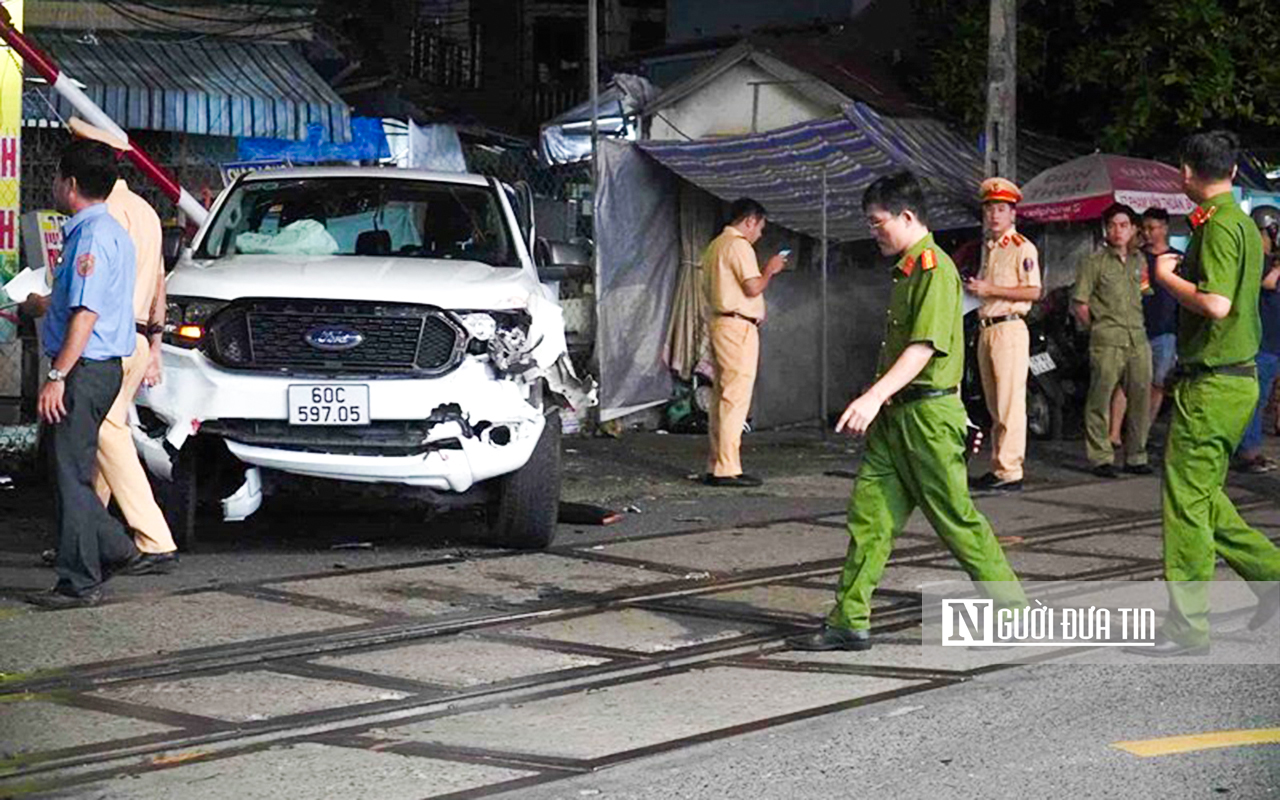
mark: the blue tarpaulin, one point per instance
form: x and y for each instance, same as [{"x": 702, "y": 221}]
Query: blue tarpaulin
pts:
[
  {"x": 368, "y": 143},
  {"x": 783, "y": 169}
]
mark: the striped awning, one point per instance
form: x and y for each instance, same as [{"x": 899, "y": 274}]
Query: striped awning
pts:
[
  {"x": 216, "y": 87},
  {"x": 784, "y": 170}
]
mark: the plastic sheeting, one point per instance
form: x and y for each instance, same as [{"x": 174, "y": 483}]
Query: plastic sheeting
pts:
[
  {"x": 638, "y": 261},
  {"x": 368, "y": 143},
  {"x": 783, "y": 169},
  {"x": 566, "y": 138},
  {"x": 435, "y": 147}
]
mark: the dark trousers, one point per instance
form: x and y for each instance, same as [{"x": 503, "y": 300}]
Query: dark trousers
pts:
[{"x": 88, "y": 537}]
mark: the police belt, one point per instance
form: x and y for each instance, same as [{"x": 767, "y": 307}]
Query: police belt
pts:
[
  {"x": 987, "y": 322},
  {"x": 1243, "y": 369},
  {"x": 752, "y": 320},
  {"x": 908, "y": 394}
]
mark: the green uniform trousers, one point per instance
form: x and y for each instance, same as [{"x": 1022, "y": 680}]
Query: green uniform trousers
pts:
[
  {"x": 1109, "y": 367},
  {"x": 1210, "y": 413},
  {"x": 915, "y": 457}
]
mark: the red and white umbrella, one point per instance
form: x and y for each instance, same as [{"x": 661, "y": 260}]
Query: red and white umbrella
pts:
[{"x": 1080, "y": 189}]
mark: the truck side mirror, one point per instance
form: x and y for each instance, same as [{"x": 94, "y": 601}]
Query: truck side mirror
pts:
[
  {"x": 560, "y": 261},
  {"x": 171, "y": 245}
]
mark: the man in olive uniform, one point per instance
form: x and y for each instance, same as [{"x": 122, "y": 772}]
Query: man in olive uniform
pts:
[
  {"x": 1108, "y": 301},
  {"x": 734, "y": 287},
  {"x": 1218, "y": 335},
  {"x": 1007, "y": 285},
  {"x": 915, "y": 451}
]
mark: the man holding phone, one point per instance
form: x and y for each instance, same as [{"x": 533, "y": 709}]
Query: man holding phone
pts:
[{"x": 734, "y": 285}]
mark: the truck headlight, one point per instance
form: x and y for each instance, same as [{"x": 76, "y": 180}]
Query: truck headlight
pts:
[
  {"x": 480, "y": 325},
  {"x": 186, "y": 319}
]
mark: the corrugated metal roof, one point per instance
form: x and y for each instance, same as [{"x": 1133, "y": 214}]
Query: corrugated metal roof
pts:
[
  {"x": 783, "y": 169},
  {"x": 218, "y": 87}
]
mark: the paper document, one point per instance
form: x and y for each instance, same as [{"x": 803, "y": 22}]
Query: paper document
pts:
[{"x": 27, "y": 282}]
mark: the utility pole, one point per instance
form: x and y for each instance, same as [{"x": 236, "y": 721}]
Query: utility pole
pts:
[{"x": 1001, "y": 157}]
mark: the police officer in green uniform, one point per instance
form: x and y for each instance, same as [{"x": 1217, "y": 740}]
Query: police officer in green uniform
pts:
[
  {"x": 1218, "y": 335},
  {"x": 1107, "y": 299},
  {"x": 914, "y": 423}
]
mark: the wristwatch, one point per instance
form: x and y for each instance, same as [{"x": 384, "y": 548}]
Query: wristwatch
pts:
[{"x": 56, "y": 374}]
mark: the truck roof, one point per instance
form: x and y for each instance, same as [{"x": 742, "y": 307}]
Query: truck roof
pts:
[{"x": 393, "y": 173}]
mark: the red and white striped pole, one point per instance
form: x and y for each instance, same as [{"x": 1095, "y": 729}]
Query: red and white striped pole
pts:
[{"x": 64, "y": 86}]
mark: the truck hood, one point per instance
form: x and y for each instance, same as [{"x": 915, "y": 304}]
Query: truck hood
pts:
[{"x": 444, "y": 283}]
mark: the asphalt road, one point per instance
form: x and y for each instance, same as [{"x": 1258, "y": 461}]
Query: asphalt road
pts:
[{"x": 337, "y": 647}]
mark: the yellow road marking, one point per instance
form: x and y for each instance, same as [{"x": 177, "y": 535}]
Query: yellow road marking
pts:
[{"x": 1169, "y": 745}]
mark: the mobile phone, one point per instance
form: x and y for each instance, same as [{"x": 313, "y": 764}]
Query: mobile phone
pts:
[{"x": 785, "y": 252}]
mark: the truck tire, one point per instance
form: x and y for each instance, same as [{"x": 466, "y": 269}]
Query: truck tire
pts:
[{"x": 523, "y": 514}]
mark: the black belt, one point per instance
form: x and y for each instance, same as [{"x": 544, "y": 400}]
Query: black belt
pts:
[
  {"x": 1243, "y": 369},
  {"x": 987, "y": 322},
  {"x": 752, "y": 320},
  {"x": 908, "y": 394}
]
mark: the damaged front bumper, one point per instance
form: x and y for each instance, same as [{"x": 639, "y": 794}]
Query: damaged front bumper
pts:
[{"x": 446, "y": 433}]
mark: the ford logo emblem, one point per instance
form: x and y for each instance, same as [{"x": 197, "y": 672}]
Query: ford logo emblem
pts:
[{"x": 333, "y": 338}]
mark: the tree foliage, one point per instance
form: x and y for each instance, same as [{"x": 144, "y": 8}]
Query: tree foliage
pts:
[{"x": 1132, "y": 76}]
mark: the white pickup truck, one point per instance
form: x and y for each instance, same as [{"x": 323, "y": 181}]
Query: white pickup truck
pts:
[{"x": 369, "y": 325}]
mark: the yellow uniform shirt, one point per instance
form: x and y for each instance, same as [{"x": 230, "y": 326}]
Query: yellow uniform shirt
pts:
[
  {"x": 1009, "y": 261},
  {"x": 143, "y": 224},
  {"x": 730, "y": 261}
]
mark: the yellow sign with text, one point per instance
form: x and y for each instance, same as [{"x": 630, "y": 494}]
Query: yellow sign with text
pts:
[{"x": 10, "y": 148}]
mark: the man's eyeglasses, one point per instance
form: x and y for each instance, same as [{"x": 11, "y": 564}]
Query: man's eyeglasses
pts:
[{"x": 877, "y": 224}]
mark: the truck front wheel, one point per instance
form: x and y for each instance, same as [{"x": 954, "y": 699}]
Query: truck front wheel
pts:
[{"x": 527, "y": 502}]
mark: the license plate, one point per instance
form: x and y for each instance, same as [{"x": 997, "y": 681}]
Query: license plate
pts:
[
  {"x": 1042, "y": 363},
  {"x": 329, "y": 404}
]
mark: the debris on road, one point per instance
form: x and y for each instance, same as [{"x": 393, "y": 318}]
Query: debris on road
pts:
[{"x": 587, "y": 514}]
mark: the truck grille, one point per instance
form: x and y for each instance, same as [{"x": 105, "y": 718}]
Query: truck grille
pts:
[{"x": 331, "y": 337}]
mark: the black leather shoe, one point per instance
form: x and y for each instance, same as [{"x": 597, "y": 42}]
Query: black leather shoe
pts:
[
  {"x": 1139, "y": 469},
  {"x": 830, "y": 638},
  {"x": 54, "y": 600},
  {"x": 1105, "y": 471},
  {"x": 1168, "y": 648},
  {"x": 1268, "y": 607},
  {"x": 734, "y": 481},
  {"x": 995, "y": 485},
  {"x": 150, "y": 564},
  {"x": 985, "y": 482}
]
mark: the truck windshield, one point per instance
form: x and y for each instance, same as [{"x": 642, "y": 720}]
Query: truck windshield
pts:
[{"x": 363, "y": 217}]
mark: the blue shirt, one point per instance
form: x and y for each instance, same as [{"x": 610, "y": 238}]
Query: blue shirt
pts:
[
  {"x": 1269, "y": 310},
  {"x": 96, "y": 273},
  {"x": 1159, "y": 309}
]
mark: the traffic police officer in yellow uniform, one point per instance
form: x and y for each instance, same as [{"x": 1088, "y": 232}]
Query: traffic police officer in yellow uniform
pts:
[
  {"x": 1218, "y": 335},
  {"x": 914, "y": 423},
  {"x": 1108, "y": 301},
  {"x": 120, "y": 473},
  {"x": 734, "y": 286},
  {"x": 1007, "y": 285}
]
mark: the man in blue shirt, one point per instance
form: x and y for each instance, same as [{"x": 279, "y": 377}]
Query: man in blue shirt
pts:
[
  {"x": 1249, "y": 457},
  {"x": 87, "y": 329}
]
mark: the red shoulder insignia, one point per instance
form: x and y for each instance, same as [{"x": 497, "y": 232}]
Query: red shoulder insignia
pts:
[
  {"x": 907, "y": 266},
  {"x": 84, "y": 264},
  {"x": 1202, "y": 215},
  {"x": 1019, "y": 239},
  {"x": 928, "y": 260}
]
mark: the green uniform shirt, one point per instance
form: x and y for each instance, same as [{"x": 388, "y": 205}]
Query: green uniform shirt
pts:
[
  {"x": 1224, "y": 258},
  {"x": 924, "y": 306},
  {"x": 1113, "y": 291}
]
